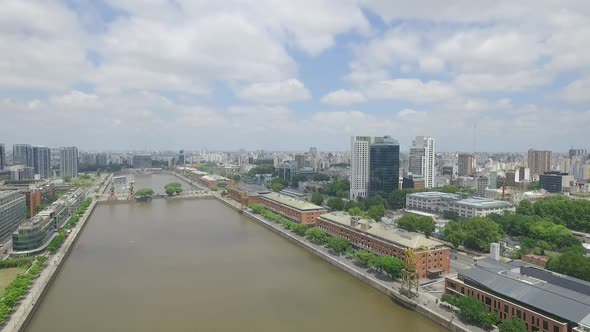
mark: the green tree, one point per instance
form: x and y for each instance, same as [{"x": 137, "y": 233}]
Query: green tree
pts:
[
  {"x": 512, "y": 325},
  {"x": 338, "y": 244},
  {"x": 236, "y": 177},
  {"x": 376, "y": 212},
  {"x": 336, "y": 203},
  {"x": 364, "y": 257},
  {"x": 454, "y": 233},
  {"x": 414, "y": 223},
  {"x": 277, "y": 184},
  {"x": 173, "y": 188},
  {"x": 299, "y": 229},
  {"x": 144, "y": 193},
  {"x": 316, "y": 235},
  {"x": 480, "y": 232},
  {"x": 295, "y": 179},
  {"x": 426, "y": 226},
  {"x": 261, "y": 169},
  {"x": 317, "y": 198},
  {"x": 356, "y": 211},
  {"x": 390, "y": 265},
  {"x": 67, "y": 179},
  {"x": 321, "y": 177},
  {"x": 451, "y": 215},
  {"x": 535, "y": 185},
  {"x": 572, "y": 263}
]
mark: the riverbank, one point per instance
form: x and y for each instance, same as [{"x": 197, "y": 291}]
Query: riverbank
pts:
[
  {"x": 28, "y": 305},
  {"x": 426, "y": 304}
]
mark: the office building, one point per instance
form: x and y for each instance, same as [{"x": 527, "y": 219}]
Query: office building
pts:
[
  {"x": 421, "y": 159},
  {"x": 180, "y": 158},
  {"x": 439, "y": 202},
  {"x": 13, "y": 211},
  {"x": 556, "y": 182},
  {"x": 313, "y": 151},
  {"x": 359, "y": 166},
  {"x": 141, "y": 161},
  {"x": 539, "y": 161},
  {"x": 465, "y": 164},
  {"x": 383, "y": 240},
  {"x": 524, "y": 174},
  {"x": 101, "y": 159},
  {"x": 481, "y": 186},
  {"x": 543, "y": 300},
  {"x": 383, "y": 166},
  {"x": 68, "y": 161},
  {"x": 22, "y": 154},
  {"x": 286, "y": 171},
  {"x": 2, "y": 156},
  {"x": 42, "y": 161},
  {"x": 22, "y": 173},
  {"x": 300, "y": 161},
  {"x": 578, "y": 152},
  {"x": 493, "y": 180},
  {"x": 510, "y": 180}
]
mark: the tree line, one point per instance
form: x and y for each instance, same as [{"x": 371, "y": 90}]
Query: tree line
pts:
[{"x": 18, "y": 287}]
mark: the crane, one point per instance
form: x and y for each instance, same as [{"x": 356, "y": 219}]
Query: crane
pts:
[{"x": 410, "y": 278}]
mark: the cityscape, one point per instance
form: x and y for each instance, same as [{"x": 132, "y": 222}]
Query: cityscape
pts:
[{"x": 334, "y": 165}]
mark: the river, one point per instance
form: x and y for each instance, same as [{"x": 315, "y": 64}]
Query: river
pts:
[{"x": 197, "y": 265}]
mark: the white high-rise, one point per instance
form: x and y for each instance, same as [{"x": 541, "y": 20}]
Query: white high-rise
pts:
[
  {"x": 68, "y": 162},
  {"x": 359, "y": 166},
  {"x": 421, "y": 159}
]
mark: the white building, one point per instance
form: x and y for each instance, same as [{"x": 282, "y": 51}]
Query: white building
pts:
[
  {"x": 439, "y": 202},
  {"x": 421, "y": 159},
  {"x": 359, "y": 166},
  {"x": 68, "y": 161}
]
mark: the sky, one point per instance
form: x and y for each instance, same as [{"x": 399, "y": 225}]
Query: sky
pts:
[{"x": 287, "y": 75}]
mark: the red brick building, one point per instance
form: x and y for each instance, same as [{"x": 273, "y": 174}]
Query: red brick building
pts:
[
  {"x": 211, "y": 181},
  {"x": 34, "y": 201},
  {"x": 243, "y": 196},
  {"x": 536, "y": 259},
  {"x": 380, "y": 240}
]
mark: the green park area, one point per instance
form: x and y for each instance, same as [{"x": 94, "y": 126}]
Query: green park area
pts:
[{"x": 8, "y": 275}]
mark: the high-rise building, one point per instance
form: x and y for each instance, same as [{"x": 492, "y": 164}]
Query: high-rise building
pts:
[
  {"x": 577, "y": 152},
  {"x": 539, "y": 161},
  {"x": 180, "y": 158},
  {"x": 142, "y": 161},
  {"x": 313, "y": 151},
  {"x": 300, "y": 160},
  {"x": 482, "y": 183},
  {"x": 42, "y": 161},
  {"x": 465, "y": 164},
  {"x": 22, "y": 154},
  {"x": 556, "y": 182},
  {"x": 2, "y": 156},
  {"x": 493, "y": 180},
  {"x": 22, "y": 173},
  {"x": 68, "y": 161},
  {"x": 14, "y": 210},
  {"x": 101, "y": 159},
  {"x": 359, "y": 166},
  {"x": 524, "y": 174},
  {"x": 383, "y": 166},
  {"x": 421, "y": 159}
]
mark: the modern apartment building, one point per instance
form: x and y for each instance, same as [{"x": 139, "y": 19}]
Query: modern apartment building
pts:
[
  {"x": 383, "y": 166},
  {"x": 13, "y": 211},
  {"x": 383, "y": 240},
  {"x": 465, "y": 164},
  {"x": 359, "y": 166},
  {"x": 42, "y": 161},
  {"x": 539, "y": 161},
  {"x": 481, "y": 186},
  {"x": 543, "y": 300},
  {"x": 22, "y": 154},
  {"x": 68, "y": 161},
  {"x": 421, "y": 159}
]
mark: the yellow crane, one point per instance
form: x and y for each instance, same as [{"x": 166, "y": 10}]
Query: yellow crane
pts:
[{"x": 410, "y": 278}]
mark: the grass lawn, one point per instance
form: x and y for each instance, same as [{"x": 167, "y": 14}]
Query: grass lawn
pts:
[{"x": 8, "y": 275}]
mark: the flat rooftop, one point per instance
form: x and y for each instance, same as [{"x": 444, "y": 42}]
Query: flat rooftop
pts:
[
  {"x": 292, "y": 202},
  {"x": 550, "y": 292},
  {"x": 385, "y": 232},
  {"x": 434, "y": 194},
  {"x": 214, "y": 177},
  {"x": 483, "y": 203}
]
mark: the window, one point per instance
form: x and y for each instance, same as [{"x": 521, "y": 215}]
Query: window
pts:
[
  {"x": 518, "y": 313},
  {"x": 555, "y": 328},
  {"x": 545, "y": 325},
  {"x": 505, "y": 309}
]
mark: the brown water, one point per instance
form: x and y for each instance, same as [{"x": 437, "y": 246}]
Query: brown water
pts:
[{"x": 197, "y": 265}]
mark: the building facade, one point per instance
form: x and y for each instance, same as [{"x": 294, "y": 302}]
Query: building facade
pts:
[
  {"x": 383, "y": 166},
  {"x": 13, "y": 211},
  {"x": 539, "y": 161},
  {"x": 141, "y": 161},
  {"x": 42, "y": 161},
  {"x": 68, "y": 161},
  {"x": 359, "y": 166},
  {"x": 375, "y": 237},
  {"x": 22, "y": 173},
  {"x": 438, "y": 202},
  {"x": 555, "y": 182},
  {"x": 421, "y": 159},
  {"x": 22, "y": 154},
  {"x": 481, "y": 186},
  {"x": 465, "y": 164},
  {"x": 2, "y": 156},
  {"x": 300, "y": 211}
]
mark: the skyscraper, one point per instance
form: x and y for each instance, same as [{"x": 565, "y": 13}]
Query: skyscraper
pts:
[
  {"x": 421, "y": 159},
  {"x": 68, "y": 161},
  {"x": 539, "y": 161},
  {"x": 383, "y": 166},
  {"x": 22, "y": 154},
  {"x": 2, "y": 156},
  {"x": 42, "y": 161},
  {"x": 359, "y": 166},
  {"x": 465, "y": 164}
]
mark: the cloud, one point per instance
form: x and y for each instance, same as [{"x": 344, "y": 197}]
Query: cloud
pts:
[
  {"x": 343, "y": 97},
  {"x": 577, "y": 91},
  {"x": 411, "y": 90},
  {"x": 279, "y": 92}
]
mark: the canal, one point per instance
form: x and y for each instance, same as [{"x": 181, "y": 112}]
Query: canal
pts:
[{"x": 197, "y": 265}]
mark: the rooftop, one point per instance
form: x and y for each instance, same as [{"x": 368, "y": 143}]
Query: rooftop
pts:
[
  {"x": 550, "y": 292},
  {"x": 214, "y": 177},
  {"x": 385, "y": 232},
  {"x": 435, "y": 194},
  {"x": 292, "y": 202},
  {"x": 480, "y": 202}
]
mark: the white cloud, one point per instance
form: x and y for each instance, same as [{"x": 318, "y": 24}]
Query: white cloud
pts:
[
  {"x": 343, "y": 97},
  {"x": 431, "y": 64},
  {"x": 275, "y": 92},
  {"x": 577, "y": 91},
  {"x": 411, "y": 90}
]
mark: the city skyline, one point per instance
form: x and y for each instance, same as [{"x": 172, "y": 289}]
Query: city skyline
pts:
[{"x": 89, "y": 70}]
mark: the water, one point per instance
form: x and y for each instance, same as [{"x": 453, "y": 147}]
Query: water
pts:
[{"x": 197, "y": 265}]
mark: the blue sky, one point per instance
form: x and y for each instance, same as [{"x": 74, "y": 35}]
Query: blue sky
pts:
[{"x": 276, "y": 75}]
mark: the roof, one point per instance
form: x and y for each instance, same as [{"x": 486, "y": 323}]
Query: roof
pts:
[
  {"x": 536, "y": 293},
  {"x": 292, "y": 202},
  {"x": 385, "y": 232},
  {"x": 434, "y": 194},
  {"x": 214, "y": 177},
  {"x": 480, "y": 202}
]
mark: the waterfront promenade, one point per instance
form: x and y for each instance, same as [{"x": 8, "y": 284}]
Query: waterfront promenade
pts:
[{"x": 28, "y": 304}]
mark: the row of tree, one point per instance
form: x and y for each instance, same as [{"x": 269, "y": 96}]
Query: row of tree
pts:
[
  {"x": 572, "y": 213},
  {"x": 60, "y": 238},
  {"x": 173, "y": 188},
  {"x": 18, "y": 287},
  {"x": 474, "y": 233},
  {"x": 277, "y": 184},
  {"x": 413, "y": 223}
]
